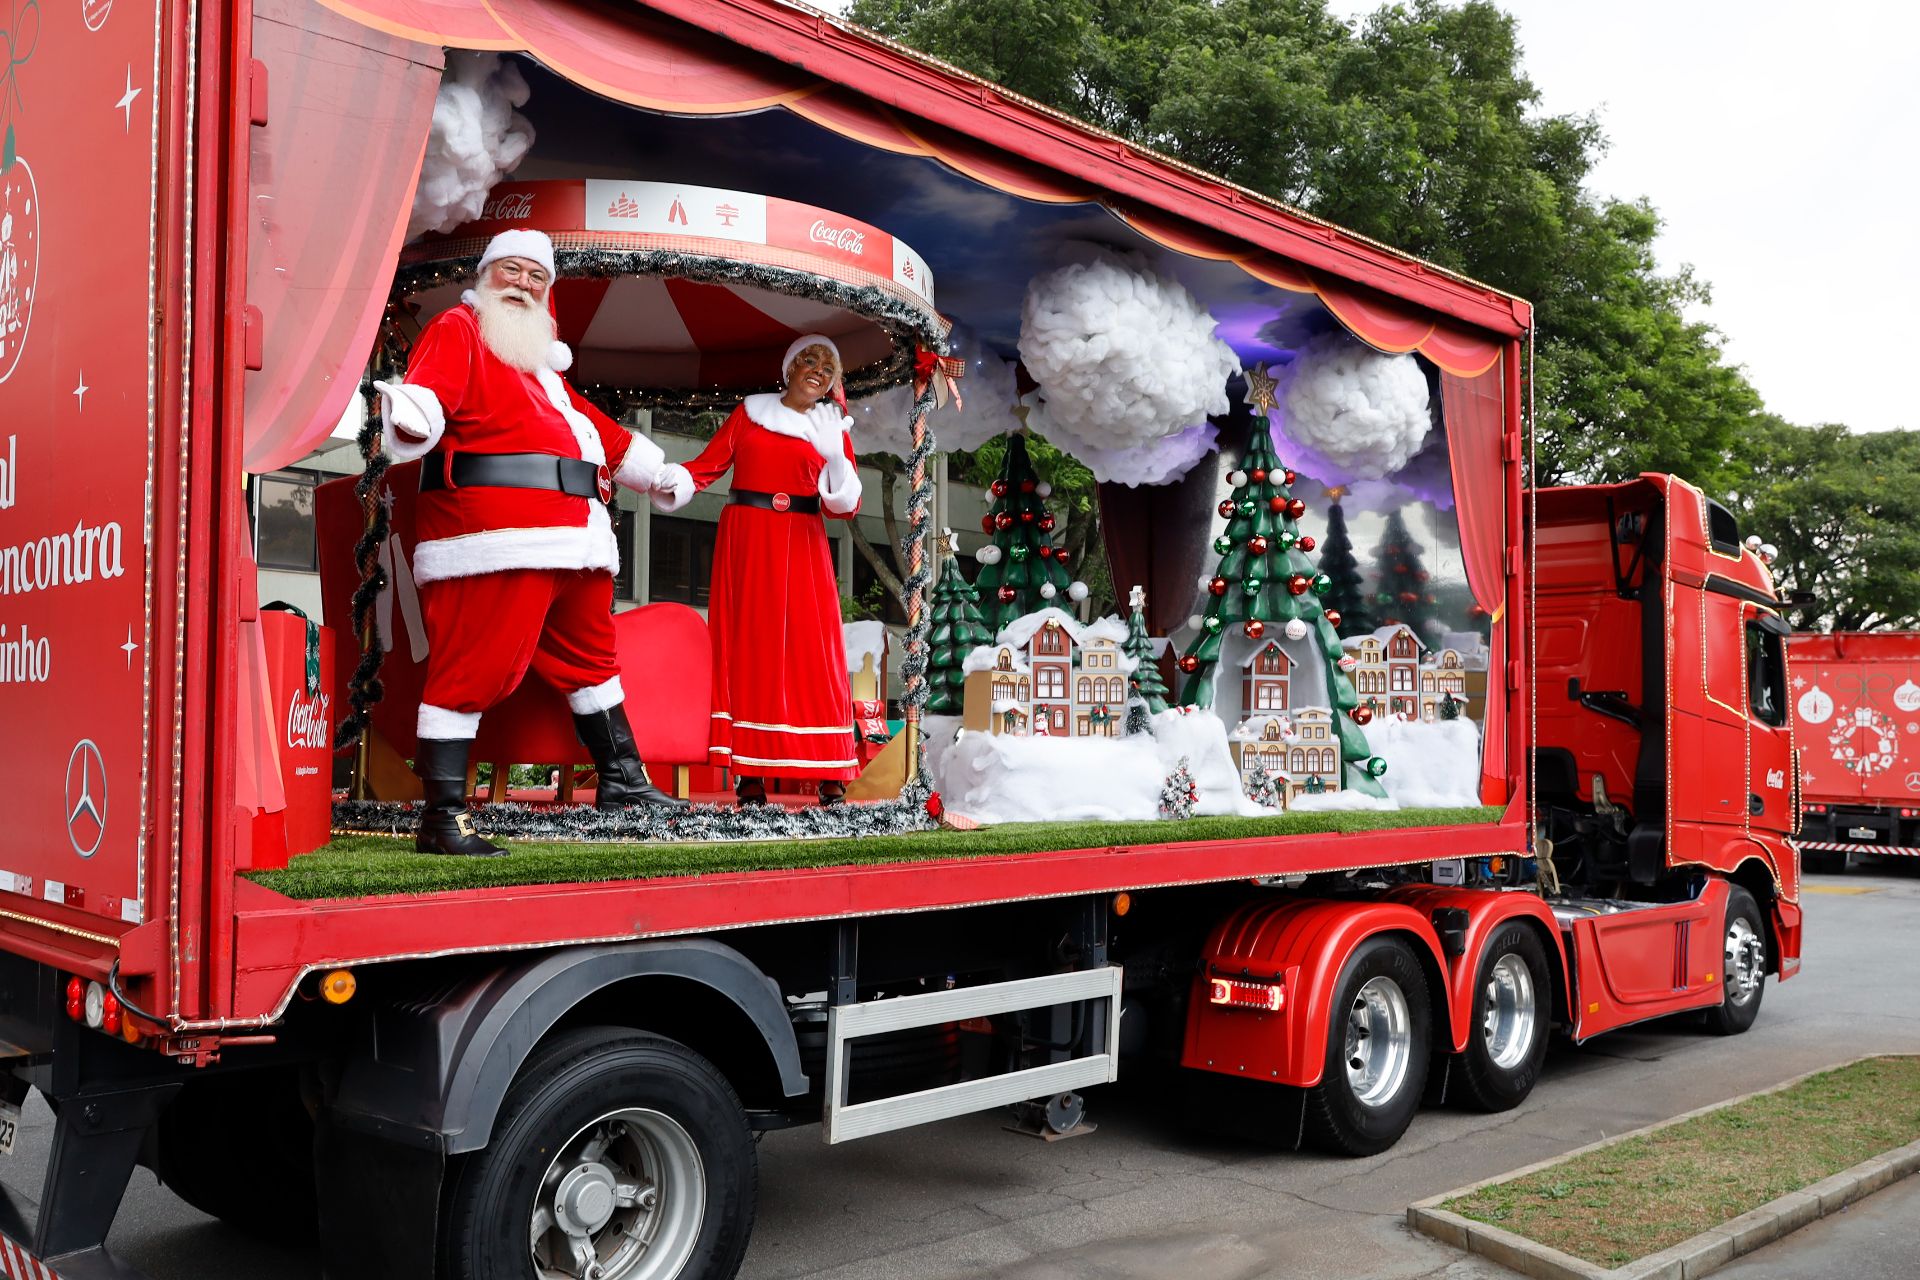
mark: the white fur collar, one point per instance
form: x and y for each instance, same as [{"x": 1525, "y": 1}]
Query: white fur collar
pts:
[
  {"x": 766, "y": 410},
  {"x": 559, "y": 355}
]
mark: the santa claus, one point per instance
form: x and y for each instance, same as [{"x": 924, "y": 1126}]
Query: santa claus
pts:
[{"x": 515, "y": 554}]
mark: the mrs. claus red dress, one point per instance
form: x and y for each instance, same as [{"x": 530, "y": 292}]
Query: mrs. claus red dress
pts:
[{"x": 781, "y": 703}]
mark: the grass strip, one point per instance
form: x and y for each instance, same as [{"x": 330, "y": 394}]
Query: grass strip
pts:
[
  {"x": 1649, "y": 1193},
  {"x": 362, "y": 866}
]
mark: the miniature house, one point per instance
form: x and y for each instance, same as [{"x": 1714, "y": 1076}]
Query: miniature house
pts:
[
  {"x": 1386, "y": 670},
  {"x": 1049, "y": 675},
  {"x": 1300, "y": 751},
  {"x": 1264, "y": 686}
]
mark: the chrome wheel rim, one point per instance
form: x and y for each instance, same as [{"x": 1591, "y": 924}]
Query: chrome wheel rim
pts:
[
  {"x": 623, "y": 1200},
  {"x": 1746, "y": 961},
  {"x": 1507, "y": 1027},
  {"x": 1379, "y": 1042}
]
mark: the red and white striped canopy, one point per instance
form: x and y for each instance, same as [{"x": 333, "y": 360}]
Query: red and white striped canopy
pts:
[{"x": 695, "y": 292}]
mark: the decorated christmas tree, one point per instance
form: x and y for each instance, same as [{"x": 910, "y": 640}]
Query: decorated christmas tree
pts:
[
  {"x": 1145, "y": 683},
  {"x": 1348, "y": 594},
  {"x": 958, "y": 629},
  {"x": 1263, "y": 790},
  {"x": 1179, "y": 793},
  {"x": 1404, "y": 593},
  {"x": 1264, "y": 581},
  {"x": 1021, "y": 570}
]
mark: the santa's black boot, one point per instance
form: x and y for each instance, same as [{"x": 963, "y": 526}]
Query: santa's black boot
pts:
[
  {"x": 446, "y": 824},
  {"x": 616, "y": 758}
]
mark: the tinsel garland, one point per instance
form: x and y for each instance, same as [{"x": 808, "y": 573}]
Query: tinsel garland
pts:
[
  {"x": 364, "y": 689},
  {"x": 583, "y": 824}
]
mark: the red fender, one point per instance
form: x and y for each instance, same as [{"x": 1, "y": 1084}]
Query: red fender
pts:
[
  {"x": 1303, "y": 945},
  {"x": 1486, "y": 912}
]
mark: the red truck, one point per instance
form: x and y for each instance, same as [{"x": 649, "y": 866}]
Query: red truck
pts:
[
  {"x": 1856, "y": 710},
  {"x": 203, "y": 208}
]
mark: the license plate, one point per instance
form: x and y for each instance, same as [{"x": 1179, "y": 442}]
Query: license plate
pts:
[
  {"x": 9, "y": 1125},
  {"x": 1863, "y": 833}
]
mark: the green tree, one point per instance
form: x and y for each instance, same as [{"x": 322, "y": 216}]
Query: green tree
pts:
[
  {"x": 1074, "y": 503},
  {"x": 957, "y": 630},
  {"x": 1420, "y": 128},
  {"x": 1025, "y": 571},
  {"x": 1148, "y": 687},
  {"x": 1843, "y": 511},
  {"x": 1348, "y": 594},
  {"x": 1405, "y": 592}
]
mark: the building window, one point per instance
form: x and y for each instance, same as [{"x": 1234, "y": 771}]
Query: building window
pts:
[
  {"x": 284, "y": 535},
  {"x": 1403, "y": 679},
  {"x": 1050, "y": 683},
  {"x": 1086, "y": 689},
  {"x": 1270, "y": 695},
  {"x": 624, "y": 583},
  {"x": 680, "y": 560}
]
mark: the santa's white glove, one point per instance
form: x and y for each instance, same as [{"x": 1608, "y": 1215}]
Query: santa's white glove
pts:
[
  {"x": 672, "y": 488},
  {"x": 827, "y": 429}
]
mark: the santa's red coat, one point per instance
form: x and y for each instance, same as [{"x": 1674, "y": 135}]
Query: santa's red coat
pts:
[
  {"x": 781, "y": 702},
  {"x": 459, "y": 396}
]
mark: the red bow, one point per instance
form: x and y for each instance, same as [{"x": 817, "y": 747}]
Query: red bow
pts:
[{"x": 944, "y": 372}]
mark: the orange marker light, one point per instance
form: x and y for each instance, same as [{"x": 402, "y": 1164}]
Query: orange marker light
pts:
[
  {"x": 1122, "y": 903},
  {"x": 338, "y": 987}
]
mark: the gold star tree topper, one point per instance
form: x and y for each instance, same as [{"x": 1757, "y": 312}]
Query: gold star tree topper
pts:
[{"x": 1260, "y": 389}]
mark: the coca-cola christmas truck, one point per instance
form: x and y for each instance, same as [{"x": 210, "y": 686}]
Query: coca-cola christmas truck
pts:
[
  {"x": 1381, "y": 769},
  {"x": 1857, "y": 715}
]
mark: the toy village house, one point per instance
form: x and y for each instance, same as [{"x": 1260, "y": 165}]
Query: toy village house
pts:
[
  {"x": 1296, "y": 746},
  {"x": 1049, "y": 675},
  {"x": 1396, "y": 674}
]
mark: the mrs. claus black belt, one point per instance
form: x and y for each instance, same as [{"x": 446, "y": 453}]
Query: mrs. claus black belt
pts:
[
  {"x": 807, "y": 506},
  {"x": 444, "y": 469}
]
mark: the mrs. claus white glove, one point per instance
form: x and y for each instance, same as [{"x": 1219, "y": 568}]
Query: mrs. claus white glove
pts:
[{"x": 827, "y": 429}]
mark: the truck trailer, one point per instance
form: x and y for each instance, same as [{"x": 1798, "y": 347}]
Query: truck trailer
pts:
[
  {"x": 1854, "y": 704},
  {"x": 544, "y": 1076}
]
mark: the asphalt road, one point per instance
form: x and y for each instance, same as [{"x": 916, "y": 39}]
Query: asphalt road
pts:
[{"x": 1154, "y": 1195}]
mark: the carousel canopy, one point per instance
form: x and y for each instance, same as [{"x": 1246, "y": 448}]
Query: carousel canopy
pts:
[{"x": 693, "y": 292}]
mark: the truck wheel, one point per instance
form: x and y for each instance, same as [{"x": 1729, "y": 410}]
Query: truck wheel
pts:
[
  {"x": 617, "y": 1155},
  {"x": 1378, "y": 1038},
  {"x": 1507, "y": 1039},
  {"x": 1744, "y": 975}
]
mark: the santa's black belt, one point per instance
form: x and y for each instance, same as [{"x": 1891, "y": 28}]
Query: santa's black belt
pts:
[
  {"x": 448, "y": 470},
  {"x": 807, "y": 506}
]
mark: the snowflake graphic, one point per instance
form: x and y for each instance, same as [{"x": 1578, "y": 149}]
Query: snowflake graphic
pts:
[{"x": 1799, "y": 682}]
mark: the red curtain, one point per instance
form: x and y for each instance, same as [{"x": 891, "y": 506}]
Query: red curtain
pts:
[{"x": 1476, "y": 427}]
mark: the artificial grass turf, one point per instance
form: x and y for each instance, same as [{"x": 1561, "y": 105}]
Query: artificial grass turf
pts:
[
  {"x": 1649, "y": 1193},
  {"x": 362, "y": 866}
]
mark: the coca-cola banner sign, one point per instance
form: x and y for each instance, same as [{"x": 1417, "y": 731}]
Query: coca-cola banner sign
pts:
[{"x": 676, "y": 209}]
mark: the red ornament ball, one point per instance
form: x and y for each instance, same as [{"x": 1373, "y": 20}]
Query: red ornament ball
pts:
[
  {"x": 1296, "y": 508},
  {"x": 1408, "y": 597},
  {"x": 1362, "y": 714},
  {"x": 1003, "y": 521},
  {"x": 1218, "y": 586},
  {"x": 1189, "y": 664},
  {"x": 1306, "y": 543},
  {"x": 1061, "y": 558},
  {"x": 1006, "y": 595},
  {"x": 1046, "y": 552},
  {"x": 1226, "y": 508},
  {"x": 1258, "y": 475},
  {"x": 999, "y": 488},
  {"x": 935, "y": 806},
  {"x": 1333, "y": 617},
  {"x": 1028, "y": 486},
  {"x": 1298, "y": 584},
  {"x": 986, "y": 524},
  {"x": 1255, "y": 628},
  {"x": 1276, "y": 504},
  {"x": 1026, "y": 517},
  {"x": 1046, "y": 523},
  {"x": 1288, "y": 476},
  {"x": 1257, "y": 544},
  {"x": 1420, "y": 576}
]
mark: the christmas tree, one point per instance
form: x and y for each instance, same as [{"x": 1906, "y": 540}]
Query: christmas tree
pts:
[
  {"x": 1021, "y": 570},
  {"x": 1264, "y": 579},
  {"x": 1146, "y": 684},
  {"x": 1404, "y": 594},
  {"x": 958, "y": 629},
  {"x": 1263, "y": 790},
  {"x": 1179, "y": 793},
  {"x": 1348, "y": 594}
]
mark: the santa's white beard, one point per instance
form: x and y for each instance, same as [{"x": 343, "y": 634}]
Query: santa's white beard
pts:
[{"x": 520, "y": 336}]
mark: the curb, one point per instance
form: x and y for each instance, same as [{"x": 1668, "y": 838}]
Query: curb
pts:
[{"x": 1708, "y": 1251}]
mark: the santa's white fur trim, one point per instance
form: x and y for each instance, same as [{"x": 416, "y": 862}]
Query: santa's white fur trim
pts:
[
  {"x": 559, "y": 356},
  {"x": 405, "y": 407},
  {"x": 766, "y": 410},
  {"x": 584, "y": 432},
  {"x": 639, "y": 470},
  {"x": 673, "y": 490},
  {"x": 440, "y": 724},
  {"x": 519, "y": 242},
  {"x": 591, "y": 546},
  {"x": 599, "y": 697},
  {"x": 840, "y": 487}
]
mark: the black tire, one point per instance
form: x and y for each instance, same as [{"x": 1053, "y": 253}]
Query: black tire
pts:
[
  {"x": 1512, "y": 1004},
  {"x": 1362, "y": 1111},
  {"x": 1744, "y": 966},
  {"x": 586, "y": 1076},
  {"x": 239, "y": 1147}
]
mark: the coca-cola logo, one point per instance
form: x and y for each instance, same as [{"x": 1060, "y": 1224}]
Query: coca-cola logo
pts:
[
  {"x": 514, "y": 204},
  {"x": 845, "y": 239},
  {"x": 307, "y": 722}
]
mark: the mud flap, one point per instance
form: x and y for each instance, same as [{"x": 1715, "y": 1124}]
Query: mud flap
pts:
[{"x": 379, "y": 1204}]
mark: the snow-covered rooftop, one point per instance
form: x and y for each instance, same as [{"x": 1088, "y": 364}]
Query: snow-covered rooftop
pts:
[
  {"x": 987, "y": 658},
  {"x": 863, "y": 639}
]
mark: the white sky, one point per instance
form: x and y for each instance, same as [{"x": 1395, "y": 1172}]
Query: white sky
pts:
[{"x": 1778, "y": 143}]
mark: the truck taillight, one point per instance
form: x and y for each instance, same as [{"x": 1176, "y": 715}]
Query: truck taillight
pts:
[
  {"x": 1816, "y": 808},
  {"x": 110, "y": 1014},
  {"x": 1267, "y": 996},
  {"x": 76, "y": 999}
]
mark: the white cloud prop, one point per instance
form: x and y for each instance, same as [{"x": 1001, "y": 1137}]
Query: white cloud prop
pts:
[
  {"x": 1352, "y": 413},
  {"x": 881, "y": 423},
  {"x": 1125, "y": 359},
  {"x": 477, "y": 138},
  {"x": 1161, "y": 461}
]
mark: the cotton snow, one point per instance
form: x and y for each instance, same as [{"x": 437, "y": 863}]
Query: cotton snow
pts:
[
  {"x": 1350, "y": 412},
  {"x": 883, "y": 422},
  {"x": 477, "y": 138},
  {"x": 1162, "y": 461},
  {"x": 1429, "y": 765}
]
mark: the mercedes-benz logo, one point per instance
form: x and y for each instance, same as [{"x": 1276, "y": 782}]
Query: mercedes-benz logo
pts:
[{"x": 86, "y": 798}]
